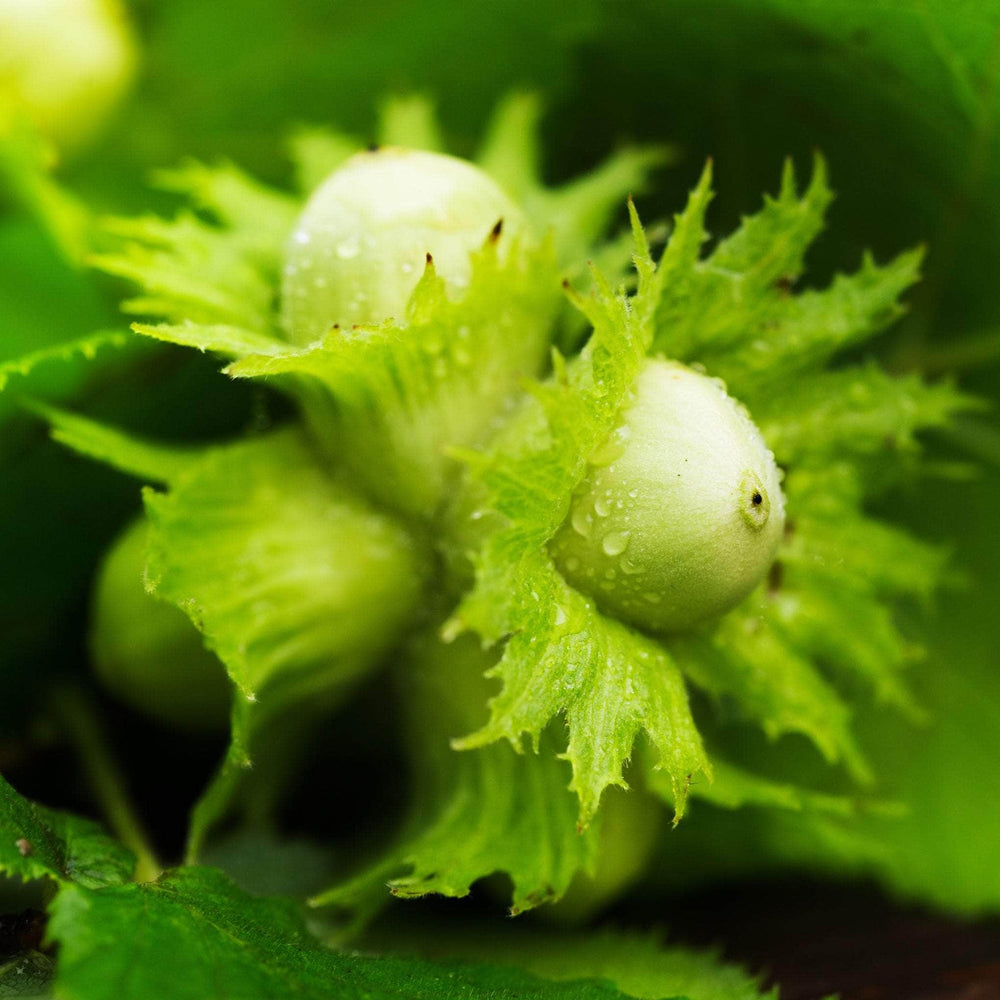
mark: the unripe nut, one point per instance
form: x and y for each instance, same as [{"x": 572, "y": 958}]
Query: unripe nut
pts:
[
  {"x": 681, "y": 512},
  {"x": 146, "y": 651},
  {"x": 362, "y": 241},
  {"x": 64, "y": 64}
]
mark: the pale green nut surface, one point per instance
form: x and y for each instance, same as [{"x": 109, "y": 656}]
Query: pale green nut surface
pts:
[
  {"x": 146, "y": 652},
  {"x": 64, "y": 65},
  {"x": 361, "y": 244},
  {"x": 681, "y": 512}
]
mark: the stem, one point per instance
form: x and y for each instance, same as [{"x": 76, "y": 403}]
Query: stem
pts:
[
  {"x": 214, "y": 803},
  {"x": 217, "y": 800},
  {"x": 80, "y": 717}
]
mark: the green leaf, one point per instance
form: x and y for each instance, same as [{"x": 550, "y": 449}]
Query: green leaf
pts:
[
  {"x": 410, "y": 122},
  {"x": 61, "y": 369},
  {"x": 252, "y": 214},
  {"x": 734, "y": 787},
  {"x": 26, "y": 162},
  {"x": 639, "y": 965},
  {"x": 36, "y": 842},
  {"x": 825, "y": 76},
  {"x": 214, "y": 272},
  {"x": 771, "y": 682},
  {"x": 831, "y": 536},
  {"x": 942, "y": 771},
  {"x": 453, "y": 363},
  {"x": 388, "y": 401},
  {"x": 195, "y": 935},
  {"x": 562, "y": 655},
  {"x": 837, "y": 623},
  {"x": 784, "y": 336},
  {"x": 153, "y": 462},
  {"x": 859, "y": 410},
  {"x": 85, "y": 348},
  {"x": 49, "y": 311},
  {"x": 476, "y": 813},
  {"x": 28, "y": 976},
  {"x": 232, "y": 341},
  {"x": 316, "y": 152},
  {"x": 733, "y": 312},
  {"x": 708, "y": 310},
  {"x": 188, "y": 271},
  {"x": 511, "y": 151},
  {"x": 611, "y": 682},
  {"x": 297, "y": 585},
  {"x": 579, "y": 212},
  {"x": 290, "y": 577}
]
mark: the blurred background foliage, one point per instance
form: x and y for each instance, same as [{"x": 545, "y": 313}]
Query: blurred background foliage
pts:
[{"x": 901, "y": 96}]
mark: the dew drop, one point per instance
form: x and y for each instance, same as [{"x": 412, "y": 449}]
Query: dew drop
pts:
[
  {"x": 581, "y": 522},
  {"x": 615, "y": 543}
]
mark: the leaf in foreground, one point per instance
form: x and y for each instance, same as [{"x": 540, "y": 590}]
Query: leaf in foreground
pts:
[
  {"x": 476, "y": 813},
  {"x": 36, "y": 842},
  {"x": 195, "y": 936},
  {"x": 640, "y": 965}
]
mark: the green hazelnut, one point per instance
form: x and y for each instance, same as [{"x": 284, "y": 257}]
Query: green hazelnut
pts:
[
  {"x": 64, "y": 65},
  {"x": 681, "y": 511},
  {"x": 363, "y": 240},
  {"x": 146, "y": 652}
]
